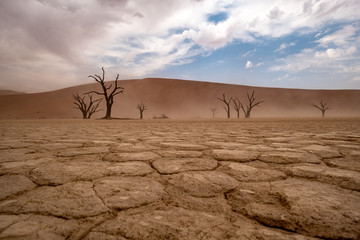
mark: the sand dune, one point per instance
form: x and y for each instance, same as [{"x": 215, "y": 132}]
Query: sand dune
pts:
[
  {"x": 9, "y": 92},
  {"x": 182, "y": 99}
]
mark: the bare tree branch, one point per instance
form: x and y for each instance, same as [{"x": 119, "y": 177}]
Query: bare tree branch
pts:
[
  {"x": 103, "y": 71},
  {"x": 252, "y": 102},
  {"x": 86, "y": 109},
  {"x": 116, "y": 86},
  {"x": 78, "y": 105},
  {"x": 96, "y": 79},
  {"x": 237, "y": 106},
  {"x": 109, "y": 87},
  {"x": 94, "y": 92},
  {"x": 227, "y": 104},
  {"x": 322, "y": 107},
  {"x": 142, "y": 107},
  {"x": 121, "y": 91},
  {"x": 93, "y": 109},
  {"x": 109, "y": 97},
  {"x": 213, "y": 110}
]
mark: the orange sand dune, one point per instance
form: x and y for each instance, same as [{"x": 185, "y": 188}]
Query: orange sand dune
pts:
[
  {"x": 182, "y": 99},
  {"x": 9, "y": 92}
]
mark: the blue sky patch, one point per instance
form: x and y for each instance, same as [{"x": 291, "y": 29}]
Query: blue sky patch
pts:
[{"x": 218, "y": 17}]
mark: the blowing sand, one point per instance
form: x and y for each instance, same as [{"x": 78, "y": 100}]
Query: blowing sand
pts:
[
  {"x": 180, "y": 179},
  {"x": 182, "y": 99}
]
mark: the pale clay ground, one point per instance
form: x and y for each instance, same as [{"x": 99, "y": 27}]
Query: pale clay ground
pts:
[{"x": 166, "y": 179}]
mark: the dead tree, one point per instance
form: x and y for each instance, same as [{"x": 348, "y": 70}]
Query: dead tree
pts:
[
  {"x": 109, "y": 96},
  {"x": 252, "y": 103},
  {"x": 81, "y": 105},
  {"x": 87, "y": 109},
  {"x": 213, "y": 111},
  {"x": 227, "y": 104},
  {"x": 142, "y": 108},
  {"x": 322, "y": 107},
  {"x": 237, "y": 106},
  {"x": 93, "y": 108}
]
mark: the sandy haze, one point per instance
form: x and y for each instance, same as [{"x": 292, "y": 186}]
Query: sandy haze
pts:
[{"x": 182, "y": 99}]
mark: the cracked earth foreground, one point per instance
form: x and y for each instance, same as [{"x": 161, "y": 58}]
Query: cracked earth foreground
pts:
[{"x": 167, "y": 179}]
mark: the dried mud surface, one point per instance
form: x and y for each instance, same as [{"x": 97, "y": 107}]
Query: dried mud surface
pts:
[{"x": 191, "y": 179}]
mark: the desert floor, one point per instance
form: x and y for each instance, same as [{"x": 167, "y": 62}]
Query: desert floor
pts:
[{"x": 190, "y": 179}]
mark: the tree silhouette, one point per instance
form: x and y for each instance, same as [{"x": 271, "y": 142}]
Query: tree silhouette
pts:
[
  {"x": 322, "y": 107},
  {"x": 237, "y": 106},
  {"x": 227, "y": 104},
  {"x": 142, "y": 108},
  {"x": 213, "y": 111},
  {"x": 109, "y": 96},
  {"x": 252, "y": 103},
  {"x": 87, "y": 109}
]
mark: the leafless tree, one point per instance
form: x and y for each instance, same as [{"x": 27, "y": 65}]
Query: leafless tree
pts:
[
  {"x": 237, "y": 106},
  {"x": 109, "y": 96},
  {"x": 322, "y": 107},
  {"x": 94, "y": 108},
  {"x": 252, "y": 103},
  {"x": 87, "y": 109},
  {"x": 227, "y": 104},
  {"x": 142, "y": 108},
  {"x": 213, "y": 111}
]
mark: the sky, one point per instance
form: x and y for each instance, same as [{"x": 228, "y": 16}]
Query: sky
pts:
[{"x": 52, "y": 44}]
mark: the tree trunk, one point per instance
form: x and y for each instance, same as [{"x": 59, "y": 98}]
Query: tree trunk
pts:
[
  {"x": 323, "y": 114},
  {"x": 141, "y": 115},
  {"x": 227, "y": 104},
  {"x": 108, "y": 111}
]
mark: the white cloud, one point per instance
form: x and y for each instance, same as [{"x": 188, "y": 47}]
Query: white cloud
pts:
[
  {"x": 322, "y": 32},
  {"x": 336, "y": 53},
  {"x": 340, "y": 37},
  {"x": 249, "y": 53},
  {"x": 283, "y": 46},
  {"x": 294, "y": 17},
  {"x": 248, "y": 64},
  {"x": 355, "y": 79},
  {"x": 214, "y": 36},
  {"x": 344, "y": 57},
  {"x": 138, "y": 37},
  {"x": 286, "y": 76},
  {"x": 275, "y": 13},
  {"x": 329, "y": 59}
]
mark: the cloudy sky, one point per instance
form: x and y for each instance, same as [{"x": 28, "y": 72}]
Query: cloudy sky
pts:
[{"x": 52, "y": 44}]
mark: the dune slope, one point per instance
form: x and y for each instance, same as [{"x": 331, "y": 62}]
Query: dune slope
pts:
[{"x": 182, "y": 99}]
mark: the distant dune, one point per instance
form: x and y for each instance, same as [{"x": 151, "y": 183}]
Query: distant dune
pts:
[
  {"x": 9, "y": 92},
  {"x": 182, "y": 99}
]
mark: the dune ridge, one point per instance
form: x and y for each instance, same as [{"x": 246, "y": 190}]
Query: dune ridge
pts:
[{"x": 182, "y": 99}]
